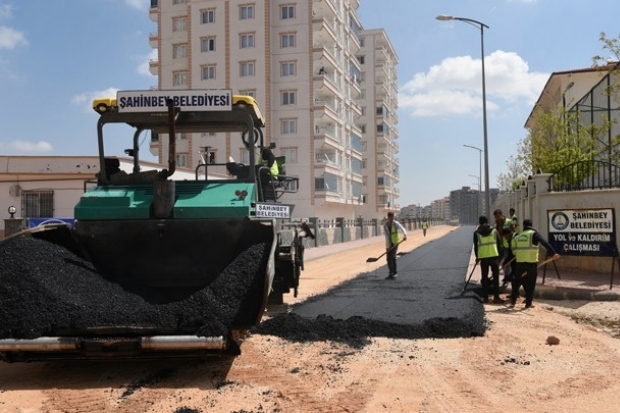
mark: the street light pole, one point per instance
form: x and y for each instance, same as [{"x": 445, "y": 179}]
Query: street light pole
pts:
[
  {"x": 480, "y": 25},
  {"x": 479, "y": 178}
]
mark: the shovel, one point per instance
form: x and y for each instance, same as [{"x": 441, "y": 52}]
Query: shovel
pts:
[{"x": 371, "y": 259}]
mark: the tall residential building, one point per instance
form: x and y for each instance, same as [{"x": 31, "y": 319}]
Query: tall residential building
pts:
[
  {"x": 319, "y": 87},
  {"x": 464, "y": 205}
]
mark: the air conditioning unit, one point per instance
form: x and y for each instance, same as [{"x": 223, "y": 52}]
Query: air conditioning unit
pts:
[{"x": 15, "y": 190}]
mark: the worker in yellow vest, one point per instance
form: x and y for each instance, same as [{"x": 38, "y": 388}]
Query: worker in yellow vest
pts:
[
  {"x": 524, "y": 246},
  {"x": 424, "y": 227},
  {"x": 487, "y": 244},
  {"x": 395, "y": 233},
  {"x": 514, "y": 220}
]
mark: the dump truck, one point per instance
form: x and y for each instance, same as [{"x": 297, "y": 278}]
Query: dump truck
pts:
[{"x": 153, "y": 266}]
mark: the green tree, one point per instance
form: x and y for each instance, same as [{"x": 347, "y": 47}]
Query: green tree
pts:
[
  {"x": 558, "y": 139},
  {"x": 516, "y": 171}
]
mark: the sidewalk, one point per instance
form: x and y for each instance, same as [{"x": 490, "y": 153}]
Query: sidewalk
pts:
[{"x": 572, "y": 285}]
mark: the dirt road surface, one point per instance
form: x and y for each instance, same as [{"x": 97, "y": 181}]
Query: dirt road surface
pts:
[{"x": 511, "y": 369}]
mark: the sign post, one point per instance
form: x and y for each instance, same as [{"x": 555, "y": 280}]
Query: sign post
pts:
[{"x": 584, "y": 232}]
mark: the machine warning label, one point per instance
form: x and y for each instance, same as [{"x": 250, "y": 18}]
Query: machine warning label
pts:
[
  {"x": 273, "y": 211},
  {"x": 156, "y": 100}
]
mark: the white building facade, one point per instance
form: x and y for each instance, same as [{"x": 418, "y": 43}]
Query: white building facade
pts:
[{"x": 326, "y": 86}]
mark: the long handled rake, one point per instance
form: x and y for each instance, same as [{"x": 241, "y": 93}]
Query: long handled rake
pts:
[
  {"x": 469, "y": 278},
  {"x": 547, "y": 261},
  {"x": 375, "y": 259}
]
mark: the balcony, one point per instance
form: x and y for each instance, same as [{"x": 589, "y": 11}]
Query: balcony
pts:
[
  {"x": 324, "y": 110},
  {"x": 325, "y": 85},
  {"x": 323, "y": 33},
  {"x": 154, "y": 40},
  {"x": 324, "y": 58},
  {"x": 154, "y": 11},
  {"x": 324, "y": 9},
  {"x": 154, "y": 66}
]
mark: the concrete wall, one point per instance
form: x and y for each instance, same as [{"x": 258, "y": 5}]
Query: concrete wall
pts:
[{"x": 533, "y": 200}]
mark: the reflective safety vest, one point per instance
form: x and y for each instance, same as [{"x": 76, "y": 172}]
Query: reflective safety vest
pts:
[
  {"x": 515, "y": 219},
  {"x": 394, "y": 234},
  {"x": 507, "y": 223},
  {"x": 424, "y": 225},
  {"x": 522, "y": 247},
  {"x": 487, "y": 245},
  {"x": 275, "y": 171}
]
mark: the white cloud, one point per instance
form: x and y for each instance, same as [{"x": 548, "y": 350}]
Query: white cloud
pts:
[
  {"x": 86, "y": 99},
  {"x": 143, "y": 69},
  {"x": 6, "y": 10},
  {"x": 138, "y": 4},
  {"x": 30, "y": 147},
  {"x": 11, "y": 38},
  {"x": 455, "y": 85}
]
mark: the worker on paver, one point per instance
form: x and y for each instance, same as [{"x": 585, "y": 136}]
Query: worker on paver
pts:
[
  {"x": 395, "y": 233},
  {"x": 525, "y": 248},
  {"x": 487, "y": 244}
]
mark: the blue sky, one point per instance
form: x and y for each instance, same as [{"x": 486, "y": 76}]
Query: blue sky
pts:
[{"x": 55, "y": 56}]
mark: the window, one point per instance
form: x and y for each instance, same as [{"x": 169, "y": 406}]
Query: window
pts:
[
  {"x": 246, "y": 12},
  {"x": 246, "y": 69},
  {"x": 290, "y": 155},
  {"x": 207, "y": 72},
  {"x": 208, "y": 16},
  {"x": 246, "y": 40},
  {"x": 287, "y": 69},
  {"x": 37, "y": 204},
  {"x": 248, "y": 92},
  {"x": 287, "y": 12},
  {"x": 288, "y": 126},
  {"x": 363, "y": 128},
  {"x": 180, "y": 136},
  {"x": 361, "y": 59},
  {"x": 179, "y": 24},
  {"x": 207, "y": 44},
  {"x": 179, "y": 51},
  {"x": 287, "y": 40},
  {"x": 179, "y": 78},
  {"x": 362, "y": 42},
  {"x": 181, "y": 160},
  {"x": 288, "y": 97},
  {"x": 210, "y": 156},
  {"x": 179, "y": 1}
]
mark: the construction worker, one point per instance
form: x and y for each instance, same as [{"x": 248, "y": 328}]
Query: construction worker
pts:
[
  {"x": 395, "y": 233},
  {"x": 514, "y": 220},
  {"x": 487, "y": 243},
  {"x": 525, "y": 248},
  {"x": 268, "y": 159},
  {"x": 503, "y": 225},
  {"x": 424, "y": 227}
]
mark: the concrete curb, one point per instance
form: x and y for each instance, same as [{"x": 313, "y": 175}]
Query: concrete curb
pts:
[{"x": 557, "y": 293}]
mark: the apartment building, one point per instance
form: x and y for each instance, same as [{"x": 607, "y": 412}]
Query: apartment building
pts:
[{"x": 326, "y": 87}]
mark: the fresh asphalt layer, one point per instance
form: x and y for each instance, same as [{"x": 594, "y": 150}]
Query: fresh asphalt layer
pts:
[{"x": 428, "y": 286}]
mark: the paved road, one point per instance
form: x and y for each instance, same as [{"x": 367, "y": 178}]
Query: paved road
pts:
[{"x": 429, "y": 285}]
